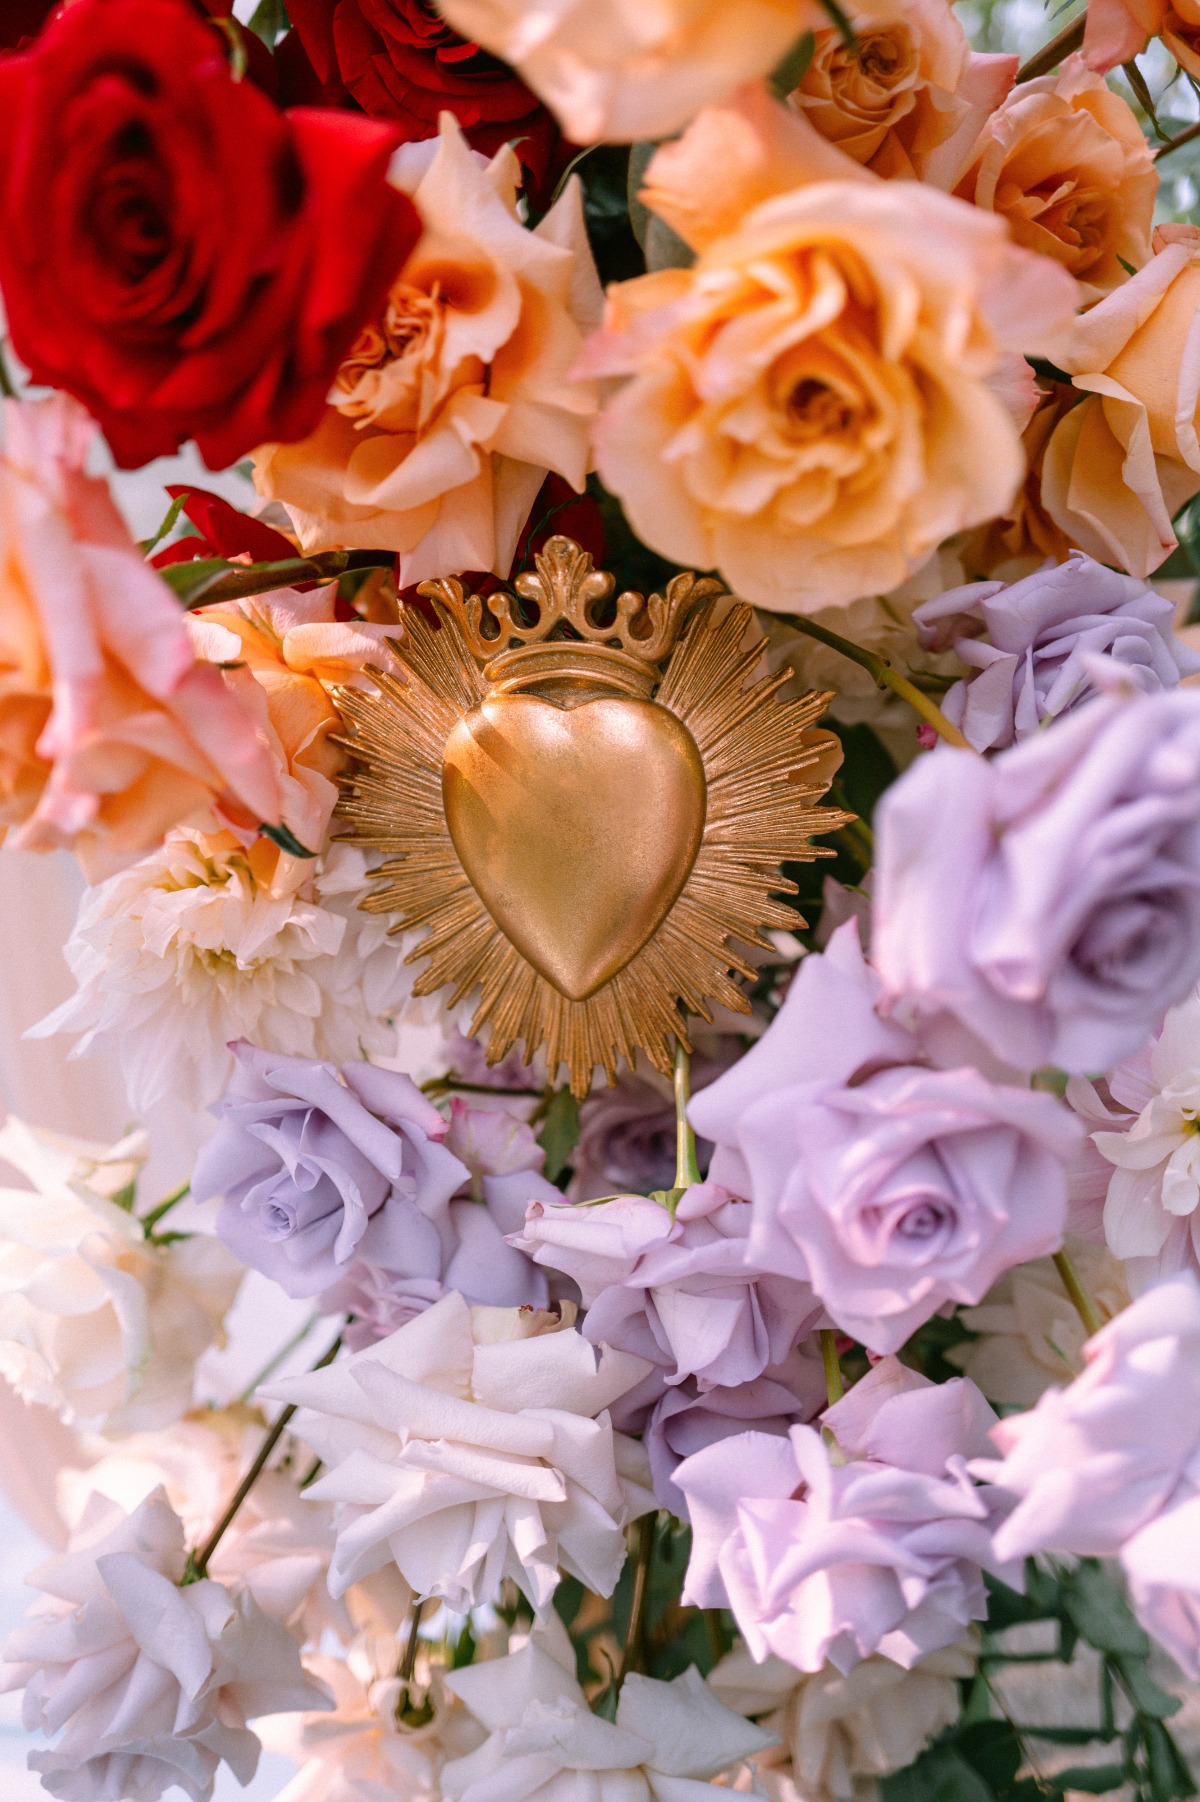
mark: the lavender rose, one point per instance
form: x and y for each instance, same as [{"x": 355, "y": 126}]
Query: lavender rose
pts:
[
  {"x": 1032, "y": 663},
  {"x": 910, "y": 1189},
  {"x": 892, "y": 1188},
  {"x": 881, "y": 1550},
  {"x": 678, "y": 1291},
  {"x": 1048, "y": 899},
  {"x": 686, "y": 1418},
  {"x": 315, "y": 1169}
]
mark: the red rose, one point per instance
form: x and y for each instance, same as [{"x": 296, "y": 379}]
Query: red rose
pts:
[
  {"x": 401, "y": 61},
  {"x": 178, "y": 254},
  {"x": 20, "y": 19}
]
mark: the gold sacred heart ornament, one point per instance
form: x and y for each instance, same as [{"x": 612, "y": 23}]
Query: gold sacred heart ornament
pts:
[
  {"x": 576, "y": 828},
  {"x": 582, "y": 800}
]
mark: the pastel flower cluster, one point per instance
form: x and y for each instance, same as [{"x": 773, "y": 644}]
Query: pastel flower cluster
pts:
[{"x": 460, "y": 1436}]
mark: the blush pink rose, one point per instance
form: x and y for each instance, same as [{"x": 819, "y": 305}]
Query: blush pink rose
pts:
[
  {"x": 1095, "y": 1462},
  {"x": 111, "y": 732}
]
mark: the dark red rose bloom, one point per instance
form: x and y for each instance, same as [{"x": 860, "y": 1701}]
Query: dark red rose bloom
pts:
[
  {"x": 222, "y": 532},
  {"x": 20, "y": 19},
  {"x": 181, "y": 256},
  {"x": 400, "y": 60}
]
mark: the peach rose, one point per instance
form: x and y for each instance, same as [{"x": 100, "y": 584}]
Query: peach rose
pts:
[
  {"x": 613, "y": 69},
  {"x": 809, "y": 407},
  {"x": 450, "y": 410},
  {"x": 1117, "y": 30},
  {"x": 1121, "y": 464},
  {"x": 110, "y": 731},
  {"x": 761, "y": 147},
  {"x": 289, "y": 652},
  {"x": 1065, "y": 162},
  {"x": 908, "y": 97},
  {"x": 1020, "y": 539}
]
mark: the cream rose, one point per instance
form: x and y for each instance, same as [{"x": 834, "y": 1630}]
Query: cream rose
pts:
[
  {"x": 809, "y": 407},
  {"x": 838, "y": 1733},
  {"x": 451, "y": 410},
  {"x": 613, "y": 69},
  {"x": 1066, "y": 163},
  {"x": 1121, "y": 464},
  {"x": 95, "y": 1321},
  {"x": 908, "y": 97}
]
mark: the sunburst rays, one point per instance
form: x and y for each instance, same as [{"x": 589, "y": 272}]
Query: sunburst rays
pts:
[{"x": 761, "y": 811}]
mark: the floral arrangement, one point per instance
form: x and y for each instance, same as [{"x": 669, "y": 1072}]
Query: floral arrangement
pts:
[{"x": 742, "y": 1419}]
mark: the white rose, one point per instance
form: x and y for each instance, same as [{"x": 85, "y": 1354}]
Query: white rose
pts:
[{"x": 96, "y": 1321}]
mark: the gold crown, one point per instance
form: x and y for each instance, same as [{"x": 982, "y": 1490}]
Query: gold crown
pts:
[{"x": 578, "y": 631}]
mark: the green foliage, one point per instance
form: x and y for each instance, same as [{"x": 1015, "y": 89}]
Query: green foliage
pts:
[
  {"x": 560, "y": 1132},
  {"x": 604, "y": 173},
  {"x": 673, "y": 1637},
  {"x": 286, "y": 839},
  {"x": 981, "y": 1759},
  {"x": 269, "y": 21},
  {"x": 789, "y": 73}
]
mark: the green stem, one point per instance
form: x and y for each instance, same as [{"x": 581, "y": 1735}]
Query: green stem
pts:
[
  {"x": 1080, "y": 1299},
  {"x": 150, "y": 1221},
  {"x": 408, "y": 1663},
  {"x": 200, "y": 1561},
  {"x": 1053, "y": 53},
  {"x": 886, "y": 677},
  {"x": 835, "y": 1386},
  {"x": 635, "y": 1632},
  {"x": 1187, "y": 136},
  {"x": 7, "y": 385},
  {"x": 687, "y": 1170},
  {"x": 260, "y": 578},
  {"x": 444, "y": 1085}
]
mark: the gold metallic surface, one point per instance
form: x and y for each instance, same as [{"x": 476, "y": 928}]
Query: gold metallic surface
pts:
[
  {"x": 577, "y": 856},
  {"x": 577, "y": 829}
]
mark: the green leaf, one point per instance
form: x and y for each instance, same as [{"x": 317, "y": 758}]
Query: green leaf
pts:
[
  {"x": 1169, "y": 1776},
  {"x": 841, "y": 22},
  {"x": 1092, "y": 1779},
  {"x": 940, "y": 1775},
  {"x": 269, "y": 21},
  {"x": 1071, "y": 1736},
  {"x": 287, "y": 841},
  {"x": 1101, "y": 1613},
  {"x": 560, "y": 1133},
  {"x": 1145, "y": 1694},
  {"x": 993, "y": 1749},
  {"x": 189, "y": 580},
  {"x": 788, "y": 74},
  {"x": 169, "y": 517}
]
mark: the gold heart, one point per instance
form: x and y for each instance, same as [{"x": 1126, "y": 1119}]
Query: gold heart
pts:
[{"x": 576, "y": 828}]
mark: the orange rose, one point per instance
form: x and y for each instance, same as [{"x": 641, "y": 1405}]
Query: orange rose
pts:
[
  {"x": 290, "y": 651},
  {"x": 1121, "y": 464},
  {"x": 810, "y": 407},
  {"x": 908, "y": 97},
  {"x": 110, "y": 731},
  {"x": 450, "y": 410},
  {"x": 1065, "y": 162}
]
